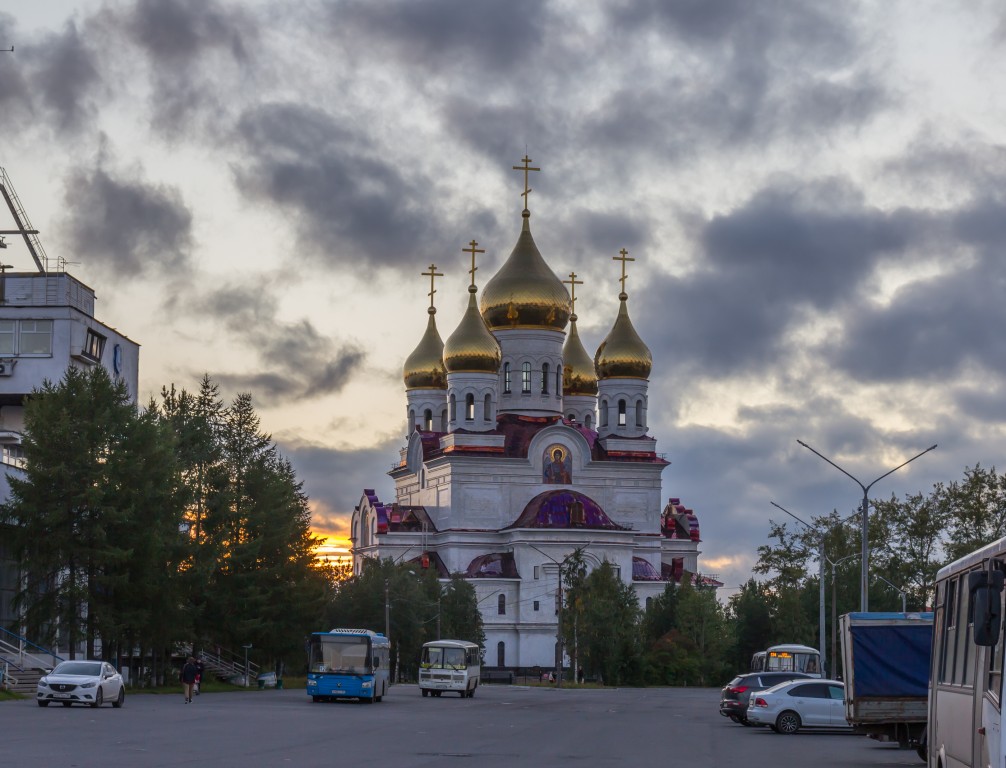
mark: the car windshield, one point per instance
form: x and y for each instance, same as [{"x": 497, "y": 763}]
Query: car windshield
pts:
[{"x": 89, "y": 668}]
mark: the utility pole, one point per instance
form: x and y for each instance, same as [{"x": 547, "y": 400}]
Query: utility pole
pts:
[{"x": 387, "y": 611}]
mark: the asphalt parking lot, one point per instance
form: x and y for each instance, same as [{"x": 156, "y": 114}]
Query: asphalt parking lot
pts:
[{"x": 501, "y": 726}]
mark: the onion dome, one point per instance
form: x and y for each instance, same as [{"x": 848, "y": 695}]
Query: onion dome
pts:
[
  {"x": 623, "y": 354},
  {"x": 424, "y": 368},
  {"x": 472, "y": 348},
  {"x": 578, "y": 375},
  {"x": 525, "y": 293}
]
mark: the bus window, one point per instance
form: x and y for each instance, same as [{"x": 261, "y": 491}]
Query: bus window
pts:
[{"x": 949, "y": 630}]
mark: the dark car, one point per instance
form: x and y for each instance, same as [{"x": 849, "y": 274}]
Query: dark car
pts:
[{"x": 735, "y": 694}]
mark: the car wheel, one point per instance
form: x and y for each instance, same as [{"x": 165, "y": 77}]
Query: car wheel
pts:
[
  {"x": 788, "y": 722},
  {"x": 43, "y": 703},
  {"x": 735, "y": 718},
  {"x": 98, "y": 699},
  {"x": 746, "y": 723},
  {"x": 120, "y": 699}
]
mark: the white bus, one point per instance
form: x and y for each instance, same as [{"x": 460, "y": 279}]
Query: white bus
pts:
[
  {"x": 450, "y": 665},
  {"x": 965, "y": 728},
  {"x": 788, "y": 658}
]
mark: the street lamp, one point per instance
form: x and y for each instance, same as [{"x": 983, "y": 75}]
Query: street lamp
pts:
[
  {"x": 820, "y": 578},
  {"x": 834, "y": 610},
  {"x": 864, "y": 597},
  {"x": 558, "y": 626},
  {"x": 246, "y": 647},
  {"x": 899, "y": 590}
]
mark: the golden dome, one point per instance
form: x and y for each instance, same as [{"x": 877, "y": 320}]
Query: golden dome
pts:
[
  {"x": 623, "y": 354},
  {"x": 472, "y": 348},
  {"x": 578, "y": 375},
  {"x": 525, "y": 293},
  {"x": 424, "y": 368}
]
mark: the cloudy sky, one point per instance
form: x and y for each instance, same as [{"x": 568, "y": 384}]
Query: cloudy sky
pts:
[{"x": 814, "y": 193}]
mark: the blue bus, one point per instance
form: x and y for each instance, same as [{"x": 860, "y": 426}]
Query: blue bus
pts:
[{"x": 348, "y": 664}]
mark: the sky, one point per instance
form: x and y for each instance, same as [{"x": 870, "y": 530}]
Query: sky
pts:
[{"x": 813, "y": 192}]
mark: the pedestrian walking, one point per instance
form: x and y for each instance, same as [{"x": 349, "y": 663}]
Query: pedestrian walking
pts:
[{"x": 188, "y": 677}]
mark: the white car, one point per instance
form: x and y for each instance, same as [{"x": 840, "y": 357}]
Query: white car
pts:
[
  {"x": 796, "y": 704},
  {"x": 82, "y": 682}
]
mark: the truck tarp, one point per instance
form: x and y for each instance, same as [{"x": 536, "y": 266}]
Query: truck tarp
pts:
[{"x": 892, "y": 660}]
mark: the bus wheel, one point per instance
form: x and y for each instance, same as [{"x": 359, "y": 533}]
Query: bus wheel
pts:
[
  {"x": 424, "y": 692},
  {"x": 378, "y": 699},
  {"x": 471, "y": 694}
]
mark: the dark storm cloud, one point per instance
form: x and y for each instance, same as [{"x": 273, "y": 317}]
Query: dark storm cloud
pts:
[
  {"x": 351, "y": 202},
  {"x": 67, "y": 71},
  {"x": 297, "y": 361},
  {"x": 126, "y": 227},
  {"x": 15, "y": 96}
]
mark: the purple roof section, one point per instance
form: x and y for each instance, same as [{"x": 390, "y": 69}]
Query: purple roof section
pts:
[
  {"x": 495, "y": 565},
  {"x": 643, "y": 571},
  {"x": 554, "y": 509}
]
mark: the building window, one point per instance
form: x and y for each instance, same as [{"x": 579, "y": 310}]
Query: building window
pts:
[
  {"x": 487, "y": 408},
  {"x": 500, "y": 654},
  {"x": 537, "y": 571},
  {"x": 501, "y": 605},
  {"x": 443, "y": 420},
  {"x": 36, "y": 337},
  {"x": 639, "y": 413},
  {"x": 544, "y": 378},
  {"x": 649, "y": 603},
  {"x": 604, "y": 413},
  {"x": 454, "y": 409},
  {"x": 412, "y": 422},
  {"x": 536, "y": 605},
  {"x": 506, "y": 378},
  {"x": 587, "y": 421},
  {"x": 13, "y": 455},
  {"x": 6, "y": 337},
  {"x": 558, "y": 380},
  {"x": 469, "y": 407},
  {"x": 621, "y": 413},
  {"x": 525, "y": 378},
  {"x": 94, "y": 345},
  {"x": 428, "y": 420}
]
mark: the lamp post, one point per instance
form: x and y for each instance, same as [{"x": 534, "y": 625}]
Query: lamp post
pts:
[
  {"x": 899, "y": 590},
  {"x": 246, "y": 647},
  {"x": 864, "y": 597},
  {"x": 834, "y": 611},
  {"x": 558, "y": 626},
  {"x": 820, "y": 578}
]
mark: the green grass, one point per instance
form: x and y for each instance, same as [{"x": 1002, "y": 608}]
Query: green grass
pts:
[{"x": 9, "y": 695}]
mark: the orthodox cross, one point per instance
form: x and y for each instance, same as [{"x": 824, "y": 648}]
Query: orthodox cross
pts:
[
  {"x": 526, "y": 167},
  {"x": 472, "y": 249},
  {"x": 623, "y": 256},
  {"x": 432, "y": 274},
  {"x": 572, "y": 283}
]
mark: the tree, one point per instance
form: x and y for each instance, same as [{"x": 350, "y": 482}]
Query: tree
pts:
[
  {"x": 460, "y": 618},
  {"x": 608, "y": 632},
  {"x": 975, "y": 509},
  {"x": 750, "y": 613}
]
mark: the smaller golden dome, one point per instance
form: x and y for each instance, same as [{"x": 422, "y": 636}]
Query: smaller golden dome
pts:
[
  {"x": 424, "y": 368},
  {"x": 578, "y": 375},
  {"x": 623, "y": 354},
  {"x": 472, "y": 348}
]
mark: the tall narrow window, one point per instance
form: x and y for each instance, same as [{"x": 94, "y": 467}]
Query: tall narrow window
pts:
[
  {"x": 639, "y": 413},
  {"x": 525, "y": 378},
  {"x": 469, "y": 407},
  {"x": 500, "y": 654},
  {"x": 412, "y": 422},
  {"x": 544, "y": 378},
  {"x": 587, "y": 421},
  {"x": 454, "y": 408},
  {"x": 6, "y": 337},
  {"x": 428, "y": 420},
  {"x": 506, "y": 378},
  {"x": 621, "y": 413},
  {"x": 443, "y": 419},
  {"x": 558, "y": 380},
  {"x": 487, "y": 409},
  {"x": 604, "y": 413},
  {"x": 501, "y": 605}
]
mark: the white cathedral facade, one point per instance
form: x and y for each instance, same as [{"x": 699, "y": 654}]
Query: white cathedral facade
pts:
[{"x": 522, "y": 449}]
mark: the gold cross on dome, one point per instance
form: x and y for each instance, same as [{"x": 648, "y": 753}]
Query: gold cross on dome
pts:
[
  {"x": 572, "y": 283},
  {"x": 472, "y": 249},
  {"x": 623, "y": 256},
  {"x": 526, "y": 168},
  {"x": 432, "y": 275}
]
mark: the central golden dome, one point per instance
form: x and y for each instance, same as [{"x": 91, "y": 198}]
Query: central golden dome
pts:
[
  {"x": 424, "y": 368},
  {"x": 525, "y": 293},
  {"x": 578, "y": 375},
  {"x": 623, "y": 354},
  {"x": 472, "y": 348}
]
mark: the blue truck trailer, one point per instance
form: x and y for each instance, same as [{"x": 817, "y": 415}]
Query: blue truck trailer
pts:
[{"x": 885, "y": 663}]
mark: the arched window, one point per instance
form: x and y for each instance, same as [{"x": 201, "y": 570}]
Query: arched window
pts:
[
  {"x": 487, "y": 411},
  {"x": 525, "y": 378},
  {"x": 443, "y": 419},
  {"x": 412, "y": 421},
  {"x": 454, "y": 409},
  {"x": 506, "y": 378},
  {"x": 621, "y": 413},
  {"x": 587, "y": 421},
  {"x": 469, "y": 407},
  {"x": 558, "y": 380},
  {"x": 501, "y": 605},
  {"x": 544, "y": 378},
  {"x": 571, "y": 417},
  {"x": 428, "y": 420},
  {"x": 604, "y": 413},
  {"x": 639, "y": 413},
  {"x": 500, "y": 654}
]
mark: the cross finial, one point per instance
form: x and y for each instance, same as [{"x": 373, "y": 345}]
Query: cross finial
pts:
[
  {"x": 433, "y": 274},
  {"x": 572, "y": 283},
  {"x": 526, "y": 168},
  {"x": 473, "y": 249},
  {"x": 623, "y": 256}
]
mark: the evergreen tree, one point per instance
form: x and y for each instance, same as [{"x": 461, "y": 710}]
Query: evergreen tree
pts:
[
  {"x": 608, "y": 634},
  {"x": 460, "y": 618},
  {"x": 751, "y": 615}
]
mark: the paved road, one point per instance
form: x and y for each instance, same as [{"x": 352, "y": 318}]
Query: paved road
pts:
[{"x": 500, "y": 728}]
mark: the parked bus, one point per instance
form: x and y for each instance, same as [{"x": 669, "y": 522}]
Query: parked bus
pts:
[
  {"x": 348, "y": 663},
  {"x": 788, "y": 658},
  {"x": 450, "y": 665},
  {"x": 965, "y": 728}
]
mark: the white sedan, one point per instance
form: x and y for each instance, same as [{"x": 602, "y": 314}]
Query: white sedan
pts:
[
  {"x": 796, "y": 704},
  {"x": 82, "y": 682}
]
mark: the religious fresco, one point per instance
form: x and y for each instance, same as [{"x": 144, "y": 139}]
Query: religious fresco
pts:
[{"x": 557, "y": 465}]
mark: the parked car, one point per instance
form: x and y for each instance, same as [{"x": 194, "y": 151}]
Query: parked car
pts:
[
  {"x": 82, "y": 682},
  {"x": 788, "y": 707},
  {"x": 735, "y": 694}
]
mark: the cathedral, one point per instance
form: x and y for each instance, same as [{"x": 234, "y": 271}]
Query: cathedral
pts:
[{"x": 521, "y": 450}]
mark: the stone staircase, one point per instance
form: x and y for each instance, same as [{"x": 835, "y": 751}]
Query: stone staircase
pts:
[{"x": 22, "y": 663}]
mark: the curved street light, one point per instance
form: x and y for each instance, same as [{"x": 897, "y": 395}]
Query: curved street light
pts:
[{"x": 864, "y": 597}]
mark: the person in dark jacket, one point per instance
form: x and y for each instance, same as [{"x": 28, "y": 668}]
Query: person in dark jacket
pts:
[{"x": 189, "y": 673}]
